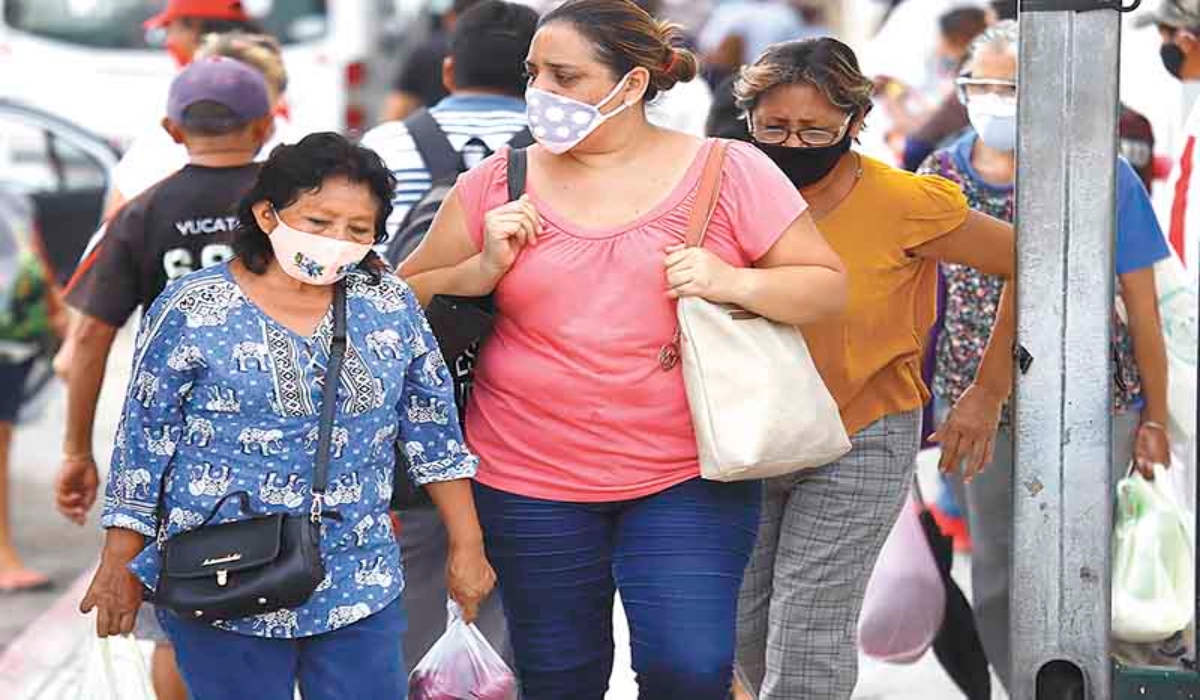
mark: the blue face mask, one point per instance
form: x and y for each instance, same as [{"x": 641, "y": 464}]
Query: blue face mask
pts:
[{"x": 995, "y": 121}]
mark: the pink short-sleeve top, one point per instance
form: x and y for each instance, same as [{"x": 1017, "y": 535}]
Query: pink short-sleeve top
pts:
[{"x": 570, "y": 402}]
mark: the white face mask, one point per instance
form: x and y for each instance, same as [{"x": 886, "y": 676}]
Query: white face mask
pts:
[
  {"x": 561, "y": 123},
  {"x": 995, "y": 120},
  {"x": 313, "y": 259}
]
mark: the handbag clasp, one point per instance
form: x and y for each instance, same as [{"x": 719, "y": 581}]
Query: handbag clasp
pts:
[
  {"x": 222, "y": 577},
  {"x": 318, "y": 505}
]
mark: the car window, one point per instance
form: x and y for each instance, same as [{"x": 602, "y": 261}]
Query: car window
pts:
[
  {"x": 34, "y": 159},
  {"x": 117, "y": 24}
]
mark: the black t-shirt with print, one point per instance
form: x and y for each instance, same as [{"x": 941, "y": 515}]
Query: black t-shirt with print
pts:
[{"x": 182, "y": 224}]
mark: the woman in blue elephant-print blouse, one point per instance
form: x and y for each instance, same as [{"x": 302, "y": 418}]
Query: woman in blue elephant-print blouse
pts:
[{"x": 225, "y": 397}]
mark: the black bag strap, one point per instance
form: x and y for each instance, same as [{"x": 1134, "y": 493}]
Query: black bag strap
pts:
[
  {"x": 337, "y": 351},
  {"x": 518, "y": 167},
  {"x": 442, "y": 161},
  {"x": 522, "y": 139}
]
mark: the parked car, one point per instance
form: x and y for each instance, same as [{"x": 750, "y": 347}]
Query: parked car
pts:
[{"x": 65, "y": 169}]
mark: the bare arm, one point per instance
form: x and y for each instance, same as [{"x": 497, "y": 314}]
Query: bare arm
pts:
[
  {"x": 1152, "y": 444},
  {"x": 988, "y": 245},
  {"x": 78, "y": 480},
  {"x": 447, "y": 261},
  {"x": 469, "y": 576},
  {"x": 93, "y": 340},
  {"x": 799, "y": 280},
  {"x": 457, "y": 509},
  {"x": 1140, "y": 295}
]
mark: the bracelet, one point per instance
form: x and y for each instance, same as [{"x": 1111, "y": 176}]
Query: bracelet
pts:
[
  {"x": 1154, "y": 425},
  {"x": 79, "y": 458}
]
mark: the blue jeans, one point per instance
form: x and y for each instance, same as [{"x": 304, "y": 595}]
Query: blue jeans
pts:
[
  {"x": 677, "y": 558},
  {"x": 362, "y": 660}
]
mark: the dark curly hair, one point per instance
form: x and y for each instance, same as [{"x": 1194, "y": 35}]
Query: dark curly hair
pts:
[{"x": 294, "y": 169}]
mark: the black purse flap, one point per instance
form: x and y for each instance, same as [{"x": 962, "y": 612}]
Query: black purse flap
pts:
[
  {"x": 231, "y": 547},
  {"x": 459, "y": 322}
]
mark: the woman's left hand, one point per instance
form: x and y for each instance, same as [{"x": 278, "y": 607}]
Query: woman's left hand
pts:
[
  {"x": 969, "y": 432},
  {"x": 1151, "y": 446},
  {"x": 695, "y": 272},
  {"x": 469, "y": 578}
]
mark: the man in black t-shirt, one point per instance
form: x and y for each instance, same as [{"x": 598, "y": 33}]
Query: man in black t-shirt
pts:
[{"x": 219, "y": 110}]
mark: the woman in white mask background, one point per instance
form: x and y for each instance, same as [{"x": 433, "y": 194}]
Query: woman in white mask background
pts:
[
  {"x": 983, "y": 163},
  {"x": 589, "y": 478}
]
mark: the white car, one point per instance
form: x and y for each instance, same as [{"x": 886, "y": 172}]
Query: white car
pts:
[{"x": 90, "y": 61}]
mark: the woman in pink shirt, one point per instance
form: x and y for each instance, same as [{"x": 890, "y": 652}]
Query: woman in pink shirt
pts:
[{"x": 589, "y": 481}]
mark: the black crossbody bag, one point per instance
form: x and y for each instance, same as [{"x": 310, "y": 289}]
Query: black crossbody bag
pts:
[
  {"x": 265, "y": 562},
  {"x": 460, "y": 325}
]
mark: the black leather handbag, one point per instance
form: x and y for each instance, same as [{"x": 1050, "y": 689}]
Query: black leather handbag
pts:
[
  {"x": 263, "y": 563},
  {"x": 460, "y": 324}
]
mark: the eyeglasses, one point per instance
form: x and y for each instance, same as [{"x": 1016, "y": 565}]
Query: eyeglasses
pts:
[
  {"x": 969, "y": 87},
  {"x": 812, "y": 138}
]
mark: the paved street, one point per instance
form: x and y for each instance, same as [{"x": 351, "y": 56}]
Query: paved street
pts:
[{"x": 46, "y": 647}]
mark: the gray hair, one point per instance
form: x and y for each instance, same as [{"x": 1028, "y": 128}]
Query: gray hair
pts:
[{"x": 999, "y": 37}]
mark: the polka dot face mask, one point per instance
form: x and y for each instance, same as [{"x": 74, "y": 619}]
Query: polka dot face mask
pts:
[{"x": 560, "y": 123}]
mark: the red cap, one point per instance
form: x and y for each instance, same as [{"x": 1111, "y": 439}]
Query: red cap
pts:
[{"x": 200, "y": 9}]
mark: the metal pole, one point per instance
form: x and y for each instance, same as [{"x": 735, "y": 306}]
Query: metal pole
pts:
[{"x": 1066, "y": 177}]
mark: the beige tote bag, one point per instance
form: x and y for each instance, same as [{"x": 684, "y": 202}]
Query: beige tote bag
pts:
[{"x": 759, "y": 407}]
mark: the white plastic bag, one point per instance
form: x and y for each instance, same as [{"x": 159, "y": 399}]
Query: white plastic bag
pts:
[
  {"x": 1177, "y": 307},
  {"x": 116, "y": 670},
  {"x": 461, "y": 665},
  {"x": 1153, "y": 561},
  {"x": 905, "y": 600}
]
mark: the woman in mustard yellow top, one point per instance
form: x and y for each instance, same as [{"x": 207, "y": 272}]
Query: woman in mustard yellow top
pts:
[{"x": 822, "y": 530}]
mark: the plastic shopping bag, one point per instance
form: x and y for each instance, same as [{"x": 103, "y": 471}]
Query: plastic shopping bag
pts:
[
  {"x": 905, "y": 600},
  {"x": 461, "y": 665},
  {"x": 1153, "y": 561},
  {"x": 116, "y": 670},
  {"x": 1177, "y": 307}
]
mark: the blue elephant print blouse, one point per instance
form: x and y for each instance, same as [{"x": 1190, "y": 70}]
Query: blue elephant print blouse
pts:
[{"x": 225, "y": 399}]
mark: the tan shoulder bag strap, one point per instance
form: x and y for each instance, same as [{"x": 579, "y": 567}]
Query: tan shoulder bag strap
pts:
[{"x": 708, "y": 194}]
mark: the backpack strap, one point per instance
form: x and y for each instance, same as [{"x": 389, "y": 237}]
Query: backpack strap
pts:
[
  {"x": 518, "y": 166},
  {"x": 522, "y": 139},
  {"x": 442, "y": 161}
]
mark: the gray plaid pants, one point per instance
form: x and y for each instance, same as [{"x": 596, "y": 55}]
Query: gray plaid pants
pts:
[{"x": 820, "y": 534}]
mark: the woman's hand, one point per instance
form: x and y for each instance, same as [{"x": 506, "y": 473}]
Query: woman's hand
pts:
[
  {"x": 695, "y": 272},
  {"x": 115, "y": 592},
  {"x": 969, "y": 432},
  {"x": 469, "y": 578},
  {"x": 1151, "y": 446},
  {"x": 506, "y": 230}
]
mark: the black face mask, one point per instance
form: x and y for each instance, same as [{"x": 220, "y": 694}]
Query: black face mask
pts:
[
  {"x": 806, "y": 166},
  {"x": 1172, "y": 58}
]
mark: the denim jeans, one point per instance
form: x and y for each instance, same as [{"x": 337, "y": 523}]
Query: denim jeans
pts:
[
  {"x": 677, "y": 558},
  {"x": 362, "y": 660}
]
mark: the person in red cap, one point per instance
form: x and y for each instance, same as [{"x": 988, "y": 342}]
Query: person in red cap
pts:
[{"x": 187, "y": 21}]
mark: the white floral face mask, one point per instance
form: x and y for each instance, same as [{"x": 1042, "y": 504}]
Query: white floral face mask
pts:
[
  {"x": 313, "y": 259},
  {"x": 561, "y": 123}
]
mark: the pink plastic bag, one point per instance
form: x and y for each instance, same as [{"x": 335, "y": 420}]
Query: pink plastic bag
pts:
[
  {"x": 461, "y": 665},
  {"x": 906, "y": 599}
]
